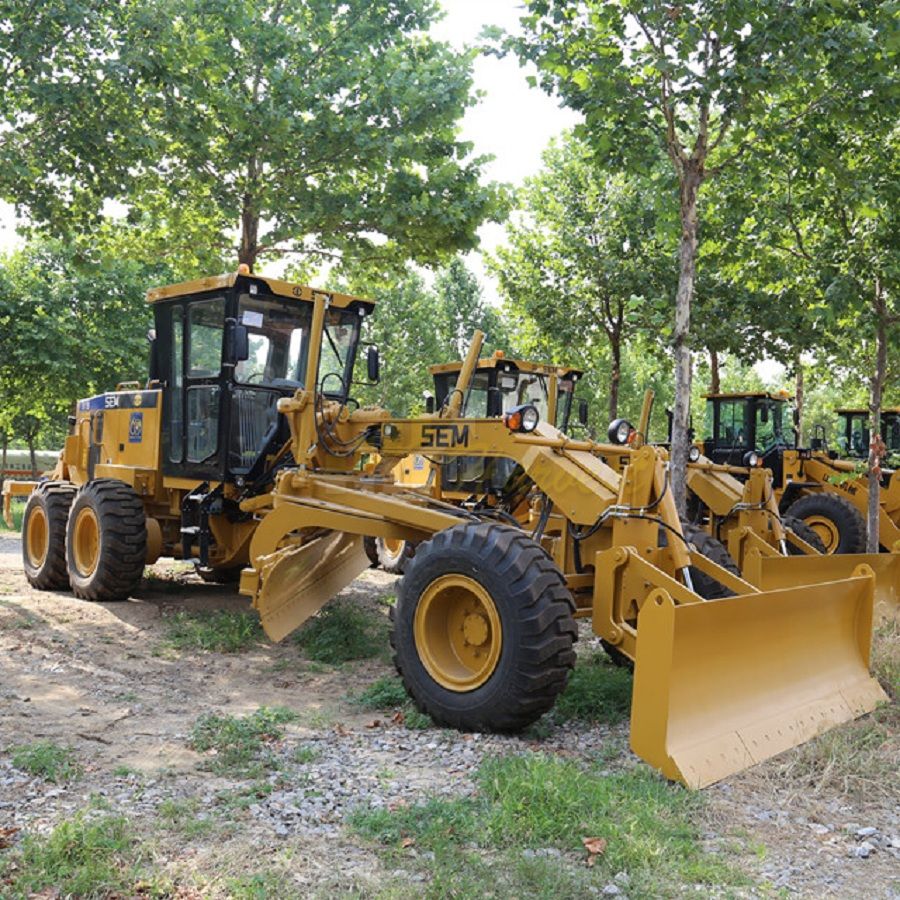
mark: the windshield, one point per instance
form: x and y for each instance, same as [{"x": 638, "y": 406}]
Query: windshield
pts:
[
  {"x": 338, "y": 350},
  {"x": 278, "y": 333},
  {"x": 511, "y": 389},
  {"x": 892, "y": 432},
  {"x": 517, "y": 388},
  {"x": 769, "y": 425}
]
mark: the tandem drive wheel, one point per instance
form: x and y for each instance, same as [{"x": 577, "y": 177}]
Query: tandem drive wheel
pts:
[
  {"x": 44, "y": 535},
  {"x": 483, "y": 628},
  {"x": 106, "y": 541}
]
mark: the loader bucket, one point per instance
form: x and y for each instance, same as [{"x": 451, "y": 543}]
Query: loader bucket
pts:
[
  {"x": 297, "y": 582},
  {"x": 772, "y": 572},
  {"x": 724, "y": 684}
]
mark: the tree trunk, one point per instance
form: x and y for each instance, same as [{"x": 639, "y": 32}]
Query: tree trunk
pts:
[
  {"x": 31, "y": 439},
  {"x": 3, "y": 459},
  {"x": 249, "y": 235},
  {"x": 715, "y": 384},
  {"x": 799, "y": 397},
  {"x": 615, "y": 375},
  {"x": 877, "y": 383},
  {"x": 690, "y": 184}
]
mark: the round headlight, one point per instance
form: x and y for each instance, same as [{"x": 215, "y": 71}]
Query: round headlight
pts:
[
  {"x": 751, "y": 459},
  {"x": 619, "y": 431},
  {"x": 530, "y": 418},
  {"x": 694, "y": 453}
]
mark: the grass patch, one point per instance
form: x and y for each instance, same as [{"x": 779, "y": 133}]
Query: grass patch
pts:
[
  {"x": 536, "y": 802},
  {"x": 886, "y": 657},
  {"x": 598, "y": 691},
  {"x": 219, "y": 632},
  {"x": 245, "y": 796},
  {"x": 47, "y": 760},
  {"x": 240, "y": 745},
  {"x": 342, "y": 632},
  {"x": 87, "y": 856},
  {"x": 184, "y": 817},
  {"x": 18, "y": 511},
  {"x": 387, "y": 694}
]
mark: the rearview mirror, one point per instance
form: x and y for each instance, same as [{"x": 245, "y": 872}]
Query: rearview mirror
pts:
[
  {"x": 582, "y": 412},
  {"x": 237, "y": 342},
  {"x": 764, "y": 414},
  {"x": 429, "y": 402},
  {"x": 373, "y": 364}
]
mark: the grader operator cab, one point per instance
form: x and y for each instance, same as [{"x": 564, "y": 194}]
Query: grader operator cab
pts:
[
  {"x": 484, "y": 624},
  {"x": 854, "y": 432}
]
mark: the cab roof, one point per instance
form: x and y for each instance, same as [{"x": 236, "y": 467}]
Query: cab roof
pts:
[
  {"x": 264, "y": 283},
  {"x": 505, "y": 363}
]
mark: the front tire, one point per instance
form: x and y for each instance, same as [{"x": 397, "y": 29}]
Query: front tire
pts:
[
  {"x": 393, "y": 555},
  {"x": 483, "y": 629},
  {"x": 44, "y": 535},
  {"x": 805, "y": 533},
  {"x": 835, "y": 520},
  {"x": 106, "y": 541}
]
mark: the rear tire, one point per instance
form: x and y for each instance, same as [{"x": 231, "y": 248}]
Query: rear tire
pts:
[
  {"x": 371, "y": 550},
  {"x": 836, "y": 521},
  {"x": 106, "y": 541},
  {"x": 44, "y": 535},
  {"x": 393, "y": 555},
  {"x": 805, "y": 533},
  {"x": 483, "y": 629}
]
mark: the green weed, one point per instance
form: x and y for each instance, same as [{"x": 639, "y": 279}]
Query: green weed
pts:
[
  {"x": 47, "y": 760},
  {"x": 18, "y": 510},
  {"x": 305, "y": 755},
  {"x": 83, "y": 857},
  {"x": 342, "y": 632},
  {"x": 183, "y": 816},
  {"x": 386, "y": 694},
  {"x": 240, "y": 744},
  {"x": 534, "y": 802},
  {"x": 220, "y": 632},
  {"x": 598, "y": 691}
]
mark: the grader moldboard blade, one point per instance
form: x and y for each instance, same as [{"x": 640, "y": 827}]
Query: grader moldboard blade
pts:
[
  {"x": 297, "y": 582},
  {"x": 772, "y": 572},
  {"x": 724, "y": 684}
]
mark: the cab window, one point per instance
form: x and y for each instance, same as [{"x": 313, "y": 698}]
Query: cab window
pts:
[
  {"x": 731, "y": 424},
  {"x": 206, "y": 321}
]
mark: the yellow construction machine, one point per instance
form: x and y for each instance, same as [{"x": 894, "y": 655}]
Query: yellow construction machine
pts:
[
  {"x": 244, "y": 447},
  {"x": 812, "y": 484}
]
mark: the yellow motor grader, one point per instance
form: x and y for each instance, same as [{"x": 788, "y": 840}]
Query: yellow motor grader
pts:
[
  {"x": 812, "y": 484},
  {"x": 248, "y": 449}
]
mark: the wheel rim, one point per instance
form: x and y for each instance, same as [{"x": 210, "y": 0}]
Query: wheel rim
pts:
[
  {"x": 826, "y": 530},
  {"x": 457, "y": 632},
  {"x": 393, "y": 547},
  {"x": 86, "y": 542},
  {"x": 37, "y": 537}
]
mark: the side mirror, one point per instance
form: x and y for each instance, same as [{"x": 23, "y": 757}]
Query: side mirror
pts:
[
  {"x": 373, "y": 364},
  {"x": 582, "y": 412},
  {"x": 237, "y": 342},
  {"x": 429, "y": 402}
]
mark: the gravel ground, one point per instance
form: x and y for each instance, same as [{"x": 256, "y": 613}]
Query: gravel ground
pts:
[{"x": 93, "y": 677}]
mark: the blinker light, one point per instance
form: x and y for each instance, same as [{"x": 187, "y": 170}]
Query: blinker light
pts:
[
  {"x": 522, "y": 418},
  {"x": 694, "y": 453},
  {"x": 243, "y": 269}
]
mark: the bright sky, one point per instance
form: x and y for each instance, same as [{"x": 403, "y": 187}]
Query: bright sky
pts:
[{"x": 513, "y": 122}]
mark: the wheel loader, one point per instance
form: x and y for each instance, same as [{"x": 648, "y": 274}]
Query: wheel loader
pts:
[{"x": 244, "y": 448}]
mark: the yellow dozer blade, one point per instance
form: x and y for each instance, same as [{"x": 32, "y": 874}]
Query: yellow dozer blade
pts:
[
  {"x": 724, "y": 684},
  {"x": 297, "y": 582},
  {"x": 770, "y": 573}
]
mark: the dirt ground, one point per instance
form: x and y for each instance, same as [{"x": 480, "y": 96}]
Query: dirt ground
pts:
[{"x": 98, "y": 678}]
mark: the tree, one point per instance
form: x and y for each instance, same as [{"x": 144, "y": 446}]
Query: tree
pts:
[
  {"x": 310, "y": 127},
  {"x": 463, "y": 309},
  {"x": 589, "y": 260},
  {"x": 73, "y": 323},
  {"x": 702, "y": 81}
]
